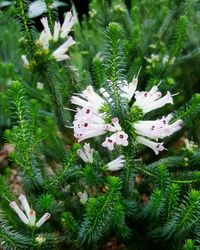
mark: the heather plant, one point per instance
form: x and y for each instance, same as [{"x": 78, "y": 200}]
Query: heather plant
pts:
[{"x": 101, "y": 114}]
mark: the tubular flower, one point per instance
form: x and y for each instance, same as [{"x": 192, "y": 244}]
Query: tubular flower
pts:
[
  {"x": 152, "y": 100},
  {"x": 90, "y": 122},
  {"x": 25, "y": 61},
  {"x": 87, "y": 155},
  {"x": 59, "y": 53},
  {"x": 129, "y": 88},
  {"x": 29, "y": 217},
  {"x": 59, "y": 32},
  {"x": 116, "y": 164},
  {"x": 147, "y": 131},
  {"x": 83, "y": 197}
]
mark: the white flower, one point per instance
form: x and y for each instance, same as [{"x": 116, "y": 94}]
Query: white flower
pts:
[
  {"x": 129, "y": 88},
  {"x": 59, "y": 53},
  {"x": 42, "y": 220},
  {"x": 46, "y": 36},
  {"x": 156, "y": 147},
  {"x": 153, "y": 58},
  {"x": 151, "y": 100},
  {"x": 115, "y": 122},
  {"x": 87, "y": 155},
  {"x": 119, "y": 138},
  {"x": 117, "y": 163},
  {"x": 29, "y": 217},
  {"x": 67, "y": 24},
  {"x": 158, "y": 129},
  {"x": 44, "y": 40},
  {"x": 47, "y": 30},
  {"x": 25, "y": 61},
  {"x": 90, "y": 122},
  {"x": 40, "y": 85},
  {"x": 56, "y": 32},
  {"x": 165, "y": 59},
  {"x": 92, "y": 99},
  {"x": 190, "y": 145},
  {"x": 83, "y": 197},
  {"x": 109, "y": 143}
]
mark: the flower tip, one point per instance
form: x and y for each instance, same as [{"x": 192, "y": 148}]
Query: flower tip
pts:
[
  {"x": 78, "y": 151},
  {"x": 47, "y": 215},
  {"x": 32, "y": 212},
  {"x": 180, "y": 122},
  {"x": 43, "y": 219},
  {"x": 25, "y": 61},
  {"x": 12, "y": 204},
  {"x": 122, "y": 157},
  {"x": 22, "y": 197},
  {"x": 170, "y": 99},
  {"x": 115, "y": 120}
]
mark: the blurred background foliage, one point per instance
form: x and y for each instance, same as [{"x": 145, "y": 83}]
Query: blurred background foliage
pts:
[{"x": 161, "y": 39}]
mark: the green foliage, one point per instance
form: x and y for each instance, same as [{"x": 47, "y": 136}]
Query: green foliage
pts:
[
  {"x": 153, "y": 202},
  {"x": 99, "y": 213},
  {"x": 190, "y": 111},
  {"x": 189, "y": 245},
  {"x": 184, "y": 217},
  {"x": 114, "y": 70},
  {"x": 10, "y": 239},
  {"x": 26, "y": 137}
]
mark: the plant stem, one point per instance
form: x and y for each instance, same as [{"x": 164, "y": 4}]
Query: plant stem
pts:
[{"x": 56, "y": 101}]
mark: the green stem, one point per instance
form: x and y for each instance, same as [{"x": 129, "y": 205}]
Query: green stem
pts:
[
  {"x": 33, "y": 232},
  {"x": 127, "y": 170},
  {"x": 101, "y": 212},
  {"x": 58, "y": 178},
  {"x": 24, "y": 18},
  {"x": 23, "y": 130},
  {"x": 49, "y": 12},
  {"x": 50, "y": 81},
  {"x": 172, "y": 181},
  {"x": 184, "y": 181},
  {"x": 127, "y": 176},
  {"x": 57, "y": 105}
]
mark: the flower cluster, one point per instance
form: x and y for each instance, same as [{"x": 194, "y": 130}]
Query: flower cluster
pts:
[
  {"x": 148, "y": 101},
  {"x": 59, "y": 32},
  {"x": 29, "y": 217},
  {"x": 155, "y": 130},
  {"x": 90, "y": 122}
]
